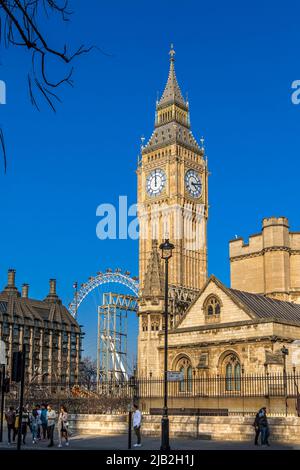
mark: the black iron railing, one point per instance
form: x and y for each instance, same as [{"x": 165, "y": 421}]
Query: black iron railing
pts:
[
  {"x": 269, "y": 385},
  {"x": 115, "y": 396}
]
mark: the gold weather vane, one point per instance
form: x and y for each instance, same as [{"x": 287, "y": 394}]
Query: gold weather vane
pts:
[{"x": 172, "y": 53}]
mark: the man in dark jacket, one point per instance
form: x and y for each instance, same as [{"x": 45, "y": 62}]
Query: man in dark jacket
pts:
[
  {"x": 256, "y": 427},
  {"x": 263, "y": 426}
]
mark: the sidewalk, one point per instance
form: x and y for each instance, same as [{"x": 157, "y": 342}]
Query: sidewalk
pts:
[{"x": 120, "y": 443}]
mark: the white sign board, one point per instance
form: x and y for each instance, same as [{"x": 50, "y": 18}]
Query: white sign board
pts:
[
  {"x": 174, "y": 376},
  {"x": 2, "y": 353}
]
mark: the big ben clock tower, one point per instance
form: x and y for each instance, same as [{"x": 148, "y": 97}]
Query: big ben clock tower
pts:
[{"x": 172, "y": 203}]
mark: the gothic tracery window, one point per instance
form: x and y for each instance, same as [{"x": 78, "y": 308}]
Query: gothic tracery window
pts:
[
  {"x": 212, "y": 308},
  {"x": 232, "y": 372},
  {"x": 184, "y": 365},
  {"x": 145, "y": 324}
]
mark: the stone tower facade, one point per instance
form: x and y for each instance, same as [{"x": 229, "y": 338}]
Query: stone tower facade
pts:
[
  {"x": 172, "y": 203},
  {"x": 269, "y": 263}
]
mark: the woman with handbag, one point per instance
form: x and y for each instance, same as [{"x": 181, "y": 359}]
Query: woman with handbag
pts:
[{"x": 63, "y": 426}]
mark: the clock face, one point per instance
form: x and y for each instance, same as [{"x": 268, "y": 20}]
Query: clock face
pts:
[
  {"x": 156, "y": 181},
  {"x": 193, "y": 183}
]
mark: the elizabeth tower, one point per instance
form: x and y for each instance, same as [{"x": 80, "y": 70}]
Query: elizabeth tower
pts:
[{"x": 172, "y": 203}]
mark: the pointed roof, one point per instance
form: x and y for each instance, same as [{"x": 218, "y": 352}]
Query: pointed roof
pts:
[
  {"x": 174, "y": 130},
  {"x": 154, "y": 276},
  {"x": 172, "y": 93},
  {"x": 257, "y": 306}
]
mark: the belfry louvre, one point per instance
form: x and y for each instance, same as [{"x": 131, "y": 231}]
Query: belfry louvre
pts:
[{"x": 51, "y": 335}]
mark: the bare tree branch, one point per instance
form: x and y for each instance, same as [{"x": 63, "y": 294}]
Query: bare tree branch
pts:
[
  {"x": 21, "y": 26},
  {"x": 2, "y": 145}
]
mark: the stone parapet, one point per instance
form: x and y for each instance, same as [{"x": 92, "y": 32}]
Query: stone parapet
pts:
[{"x": 223, "y": 428}]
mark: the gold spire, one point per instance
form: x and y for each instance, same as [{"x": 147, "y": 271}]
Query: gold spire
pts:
[
  {"x": 172, "y": 93},
  {"x": 172, "y": 53}
]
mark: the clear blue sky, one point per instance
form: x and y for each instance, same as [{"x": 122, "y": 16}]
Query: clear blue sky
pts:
[{"x": 236, "y": 60}]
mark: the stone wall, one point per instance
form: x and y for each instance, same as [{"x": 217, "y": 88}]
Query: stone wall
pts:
[{"x": 223, "y": 428}]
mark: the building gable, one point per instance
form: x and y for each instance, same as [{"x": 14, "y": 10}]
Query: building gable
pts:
[{"x": 231, "y": 310}]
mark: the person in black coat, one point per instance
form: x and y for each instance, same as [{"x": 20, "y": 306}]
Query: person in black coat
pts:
[
  {"x": 263, "y": 426},
  {"x": 256, "y": 428}
]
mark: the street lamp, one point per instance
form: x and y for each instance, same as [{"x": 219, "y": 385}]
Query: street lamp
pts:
[
  {"x": 242, "y": 387},
  {"x": 166, "y": 253},
  {"x": 285, "y": 352}
]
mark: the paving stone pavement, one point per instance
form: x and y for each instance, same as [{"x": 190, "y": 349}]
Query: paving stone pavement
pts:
[{"x": 119, "y": 442}]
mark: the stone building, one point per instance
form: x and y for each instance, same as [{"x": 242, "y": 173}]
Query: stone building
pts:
[
  {"x": 225, "y": 331},
  {"x": 269, "y": 263},
  {"x": 50, "y": 333},
  {"x": 213, "y": 330}
]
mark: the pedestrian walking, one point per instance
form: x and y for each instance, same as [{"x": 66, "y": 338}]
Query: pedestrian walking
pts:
[
  {"x": 10, "y": 417},
  {"x": 51, "y": 418},
  {"x": 25, "y": 423},
  {"x": 34, "y": 425},
  {"x": 137, "y": 421},
  {"x": 28, "y": 413},
  {"x": 39, "y": 424},
  {"x": 256, "y": 428},
  {"x": 63, "y": 426},
  {"x": 17, "y": 424},
  {"x": 44, "y": 422},
  {"x": 263, "y": 426}
]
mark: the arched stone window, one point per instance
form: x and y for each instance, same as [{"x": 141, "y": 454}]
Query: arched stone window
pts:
[
  {"x": 212, "y": 309},
  {"x": 184, "y": 365},
  {"x": 232, "y": 370},
  {"x": 145, "y": 324}
]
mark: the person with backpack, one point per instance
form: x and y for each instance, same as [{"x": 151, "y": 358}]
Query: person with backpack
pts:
[
  {"x": 137, "y": 421},
  {"x": 10, "y": 417}
]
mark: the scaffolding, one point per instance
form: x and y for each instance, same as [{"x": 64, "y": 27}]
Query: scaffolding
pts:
[{"x": 112, "y": 337}]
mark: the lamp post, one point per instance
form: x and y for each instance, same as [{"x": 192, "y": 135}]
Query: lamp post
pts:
[
  {"x": 297, "y": 391},
  {"x": 166, "y": 253},
  {"x": 285, "y": 352},
  {"x": 243, "y": 389}
]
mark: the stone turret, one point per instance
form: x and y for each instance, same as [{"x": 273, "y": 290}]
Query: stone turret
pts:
[{"x": 269, "y": 263}]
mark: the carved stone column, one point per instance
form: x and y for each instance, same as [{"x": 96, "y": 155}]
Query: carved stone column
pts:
[
  {"x": 41, "y": 349},
  {"x": 21, "y": 336},
  {"x": 59, "y": 355},
  {"x": 77, "y": 355},
  {"x": 31, "y": 351},
  {"x": 50, "y": 356},
  {"x": 69, "y": 358},
  {"x": 10, "y": 342}
]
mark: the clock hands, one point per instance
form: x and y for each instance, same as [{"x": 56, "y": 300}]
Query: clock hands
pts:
[{"x": 193, "y": 183}]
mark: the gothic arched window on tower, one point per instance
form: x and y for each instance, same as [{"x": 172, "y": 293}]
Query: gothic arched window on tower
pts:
[
  {"x": 145, "y": 324},
  {"x": 212, "y": 309}
]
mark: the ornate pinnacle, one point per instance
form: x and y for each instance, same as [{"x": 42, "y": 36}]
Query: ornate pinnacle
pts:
[{"x": 172, "y": 53}]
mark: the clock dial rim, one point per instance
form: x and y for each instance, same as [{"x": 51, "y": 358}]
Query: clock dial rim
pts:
[
  {"x": 190, "y": 173},
  {"x": 161, "y": 175}
]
